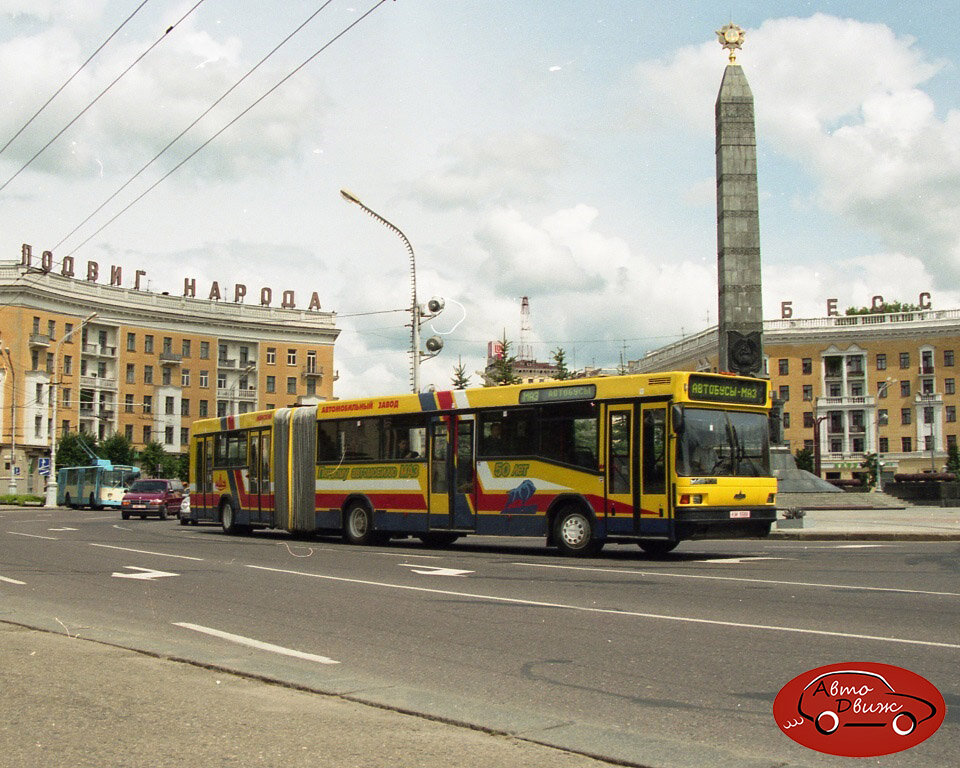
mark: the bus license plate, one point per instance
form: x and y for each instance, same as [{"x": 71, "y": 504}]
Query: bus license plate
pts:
[{"x": 734, "y": 513}]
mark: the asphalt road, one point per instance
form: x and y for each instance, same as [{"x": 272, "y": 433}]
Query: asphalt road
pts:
[{"x": 660, "y": 662}]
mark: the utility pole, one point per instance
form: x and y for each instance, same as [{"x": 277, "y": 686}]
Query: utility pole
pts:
[{"x": 12, "y": 489}]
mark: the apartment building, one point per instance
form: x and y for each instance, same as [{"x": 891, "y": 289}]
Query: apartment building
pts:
[
  {"x": 142, "y": 364},
  {"x": 857, "y": 384}
]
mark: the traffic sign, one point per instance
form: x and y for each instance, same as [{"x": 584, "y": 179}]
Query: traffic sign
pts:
[{"x": 43, "y": 466}]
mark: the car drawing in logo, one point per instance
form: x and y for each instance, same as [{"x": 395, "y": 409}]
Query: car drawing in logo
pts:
[{"x": 857, "y": 698}]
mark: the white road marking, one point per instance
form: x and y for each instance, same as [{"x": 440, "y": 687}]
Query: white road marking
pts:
[
  {"x": 432, "y": 570},
  {"x": 147, "y": 552},
  {"x": 12, "y": 581},
  {"x": 613, "y": 611},
  {"x": 251, "y": 643},
  {"x": 738, "y": 560},
  {"x": 146, "y": 574},
  {"x": 32, "y": 536},
  {"x": 55, "y": 530},
  {"x": 665, "y": 575}
]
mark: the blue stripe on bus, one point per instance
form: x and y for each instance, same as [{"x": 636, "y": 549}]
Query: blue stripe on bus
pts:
[{"x": 428, "y": 402}]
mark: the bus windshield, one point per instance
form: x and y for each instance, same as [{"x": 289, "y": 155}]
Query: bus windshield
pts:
[{"x": 723, "y": 444}]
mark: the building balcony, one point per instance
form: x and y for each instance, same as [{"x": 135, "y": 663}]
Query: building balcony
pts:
[
  {"x": 93, "y": 381},
  {"x": 226, "y": 362},
  {"x": 312, "y": 372},
  {"x": 929, "y": 398},
  {"x": 39, "y": 340},
  {"x": 99, "y": 350},
  {"x": 170, "y": 358},
  {"x": 849, "y": 401}
]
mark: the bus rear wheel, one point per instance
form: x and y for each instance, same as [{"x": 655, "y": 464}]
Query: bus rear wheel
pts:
[
  {"x": 358, "y": 524},
  {"x": 574, "y": 533},
  {"x": 227, "y": 517},
  {"x": 657, "y": 547}
]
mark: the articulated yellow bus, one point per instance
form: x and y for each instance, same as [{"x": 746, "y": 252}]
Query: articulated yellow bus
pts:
[{"x": 654, "y": 459}]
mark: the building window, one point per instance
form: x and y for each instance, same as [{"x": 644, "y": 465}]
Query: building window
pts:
[
  {"x": 271, "y": 384},
  {"x": 204, "y": 350},
  {"x": 292, "y": 385},
  {"x": 783, "y": 366},
  {"x": 884, "y": 445},
  {"x": 926, "y": 386},
  {"x": 904, "y": 389},
  {"x": 244, "y": 355},
  {"x": 904, "y": 360},
  {"x": 786, "y": 420},
  {"x": 221, "y": 381},
  {"x": 67, "y": 365},
  {"x": 807, "y": 420},
  {"x": 784, "y": 394},
  {"x": 856, "y": 389},
  {"x": 928, "y": 415},
  {"x": 221, "y": 351},
  {"x": 168, "y": 405},
  {"x": 131, "y": 373},
  {"x": 185, "y": 377},
  {"x": 312, "y": 361},
  {"x": 184, "y": 435},
  {"x": 185, "y": 406},
  {"x": 67, "y": 331},
  {"x": 147, "y": 404},
  {"x": 271, "y": 355},
  {"x": 128, "y": 432},
  {"x": 147, "y": 434},
  {"x": 951, "y": 441},
  {"x": 882, "y": 387},
  {"x": 185, "y": 348},
  {"x": 807, "y": 366},
  {"x": 948, "y": 358},
  {"x": 905, "y": 415},
  {"x": 49, "y": 362},
  {"x": 203, "y": 409},
  {"x": 38, "y": 394},
  {"x": 949, "y": 387},
  {"x": 148, "y": 344},
  {"x": 291, "y": 357},
  {"x": 311, "y": 386},
  {"x": 951, "y": 412},
  {"x": 65, "y": 398},
  {"x": 148, "y": 374},
  {"x": 165, "y": 375},
  {"x": 168, "y": 345},
  {"x": 808, "y": 392},
  {"x": 883, "y": 417},
  {"x": 131, "y": 342},
  {"x": 906, "y": 444},
  {"x": 52, "y": 329},
  {"x": 221, "y": 408},
  {"x": 168, "y": 435},
  {"x": 128, "y": 403},
  {"x": 36, "y": 326},
  {"x": 204, "y": 379}
]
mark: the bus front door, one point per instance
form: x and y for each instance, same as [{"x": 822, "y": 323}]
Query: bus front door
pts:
[
  {"x": 261, "y": 507},
  {"x": 452, "y": 473},
  {"x": 621, "y": 507},
  {"x": 653, "y": 464}
]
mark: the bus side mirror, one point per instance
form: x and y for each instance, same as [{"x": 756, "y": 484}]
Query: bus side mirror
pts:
[{"x": 677, "y": 416}]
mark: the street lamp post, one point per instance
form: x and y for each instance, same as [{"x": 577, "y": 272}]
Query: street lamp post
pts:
[
  {"x": 881, "y": 392},
  {"x": 816, "y": 443},
  {"x": 50, "y": 499},
  {"x": 434, "y": 344},
  {"x": 12, "y": 487}
]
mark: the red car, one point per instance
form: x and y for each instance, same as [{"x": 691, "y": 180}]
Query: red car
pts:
[{"x": 152, "y": 497}]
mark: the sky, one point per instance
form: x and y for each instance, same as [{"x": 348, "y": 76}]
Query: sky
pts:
[{"x": 562, "y": 151}]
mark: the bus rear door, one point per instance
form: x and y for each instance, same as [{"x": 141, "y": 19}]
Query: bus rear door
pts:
[{"x": 260, "y": 499}]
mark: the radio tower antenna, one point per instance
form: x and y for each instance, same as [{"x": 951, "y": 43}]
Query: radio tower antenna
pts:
[{"x": 524, "y": 348}]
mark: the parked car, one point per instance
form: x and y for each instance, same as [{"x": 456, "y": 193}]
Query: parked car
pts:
[{"x": 155, "y": 496}]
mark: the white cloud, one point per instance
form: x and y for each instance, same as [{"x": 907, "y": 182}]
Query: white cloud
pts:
[{"x": 843, "y": 99}]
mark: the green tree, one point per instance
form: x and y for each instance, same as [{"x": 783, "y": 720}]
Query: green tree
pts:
[
  {"x": 884, "y": 308},
  {"x": 560, "y": 359},
  {"x": 153, "y": 460},
  {"x": 953, "y": 459},
  {"x": 804, "y": 457},
  {"x": 70, "y": 453},
  {"x": 118, "y": 449},
  {"x": 460, "y": 380},
  {"x": 870, "y": 463},
  {"x": 502, "y": 372}
]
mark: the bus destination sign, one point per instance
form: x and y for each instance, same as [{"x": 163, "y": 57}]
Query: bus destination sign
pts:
[
  {"x": 558, "y": 394},
  {"x": 722, "y": 390}
]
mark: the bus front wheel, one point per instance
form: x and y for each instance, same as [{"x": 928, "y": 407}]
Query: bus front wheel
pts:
[
  {"x": 574, "y": 533},
  {"x": 358, "y": 524},
  {"x": 227, "y": 517}
]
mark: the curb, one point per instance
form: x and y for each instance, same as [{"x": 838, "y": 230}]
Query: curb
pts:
[{"x": 856, "y": 536}]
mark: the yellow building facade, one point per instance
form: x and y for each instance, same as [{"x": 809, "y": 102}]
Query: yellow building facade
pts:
[
  {"x": 141, "y": 364},
  {"x": 857, "y": 385}
]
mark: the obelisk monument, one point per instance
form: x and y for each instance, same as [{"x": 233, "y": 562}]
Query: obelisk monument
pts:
[{"x": 740, "y": 316}]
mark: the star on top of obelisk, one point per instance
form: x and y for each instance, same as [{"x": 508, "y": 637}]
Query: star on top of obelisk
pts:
[{"x": 731, "y": 37}]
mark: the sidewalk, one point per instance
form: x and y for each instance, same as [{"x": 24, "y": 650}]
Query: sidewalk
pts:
[
  {"x": 919, "y": 523},
  {"x": 72, "y": 702}
]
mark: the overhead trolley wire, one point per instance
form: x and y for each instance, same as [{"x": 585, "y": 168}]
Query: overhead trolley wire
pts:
[
  {"x": 70, "y": 79},
  {"x": 203, "y": 146},
  {"x": 101, "y": 94},
  {"x": 200, "y": 117}
]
